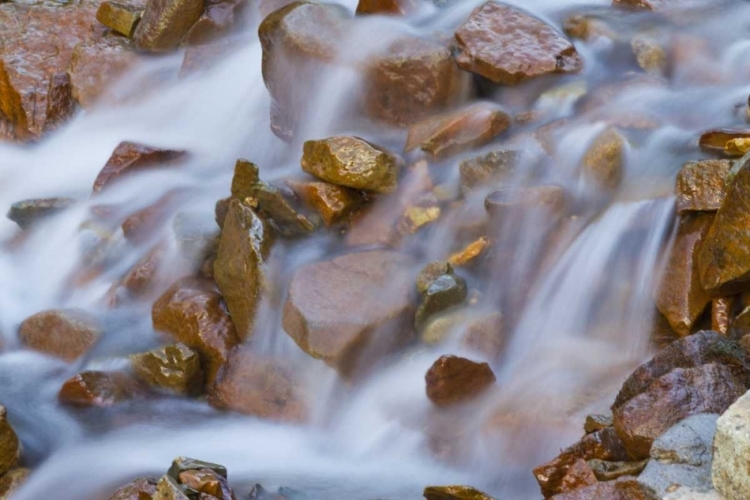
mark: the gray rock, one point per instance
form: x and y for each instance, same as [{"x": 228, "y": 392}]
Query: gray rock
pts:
[{"x": 731, "y": 474}]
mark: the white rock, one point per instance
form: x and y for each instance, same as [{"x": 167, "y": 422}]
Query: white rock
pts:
[{"x": 731, "y": 474}]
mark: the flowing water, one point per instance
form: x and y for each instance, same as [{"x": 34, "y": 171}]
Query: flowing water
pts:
[{"x": 583, "y": 322}]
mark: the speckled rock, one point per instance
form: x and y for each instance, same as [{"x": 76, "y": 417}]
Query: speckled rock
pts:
[
  {"x": 64, "y": 333},
  {"x": 129, "y": 157},
  {"x": 701, "y": 185},
  {"x": 604, "y": 161},
  {"x": 165, "y": 23},
  {"x": 454, "y": 493},
  {"x": 9, "y": 444},
  {"x": 731, "y": 476},
  {"x": 27, "y": 212},
  {"x": 174, "y": 368},
  {"x": 138, "y": 489},
  {"x": 120, "y": 17},
  {"x": 99, "y": 389}
]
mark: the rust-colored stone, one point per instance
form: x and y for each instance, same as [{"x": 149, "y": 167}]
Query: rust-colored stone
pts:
[
  {"x": 27, "y": 212},
  {"x": 392, "y": 7},
  {"x": 138, "y": 489},
  {"x": 12, "y": 481},
  {"x": 219, "y": 18},
  {"x": 129, "y": 157},
  {"x": 65, "y": 333},
  {"x": 97, "y": 388},
  {"x": 626, "y": 488},
  {"x": 701, "y": 185},
  {"x": 142, "y": 275},
  {"x": 95, "y": 65},
  {"x": 207, "y": 481},
  {"x": 165, "y": 23},
  {"x": 333, "y": 203},
  {"x": 451, "y": 380},
  {"x": 9, "y": 444},
  {"x": 60, "y": 103},
  {"x": 577, "y": 476}
]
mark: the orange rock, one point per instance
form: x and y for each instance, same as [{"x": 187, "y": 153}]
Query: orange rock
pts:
[
  {"x": 393, "y": 7},
  {"x": 333, "y": 203},
  {"x": 129, "y": 157},
  {"x": 451, "y": 380},
  {"x": 701, "y": 185},
  {"x": 165, "y": 23},
  {"x": 141, "y": 277},
  {"x": 96, "y": 388},
  {"x": 470, "y": 253},
  {"x": 95, "y": 65},
  {"x": 716, "y": 139},
  {"x": 65, "y": 333}
]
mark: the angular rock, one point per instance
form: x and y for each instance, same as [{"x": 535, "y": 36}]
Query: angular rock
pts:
[
  {"x": 184, "y": 464},
  {"x": 130, "y": 157},
  {"x": 239, "y": 265},
  {"x": 488, "y": 169},
  {"x": 61, "y": 104},
  {"x": 488, "y": 44},
  {"x": 609, "y": 471},
  {"x": 138, "y": 489},
  {"x": 176, "y": 368},
  {"x": 258, "y": 386},
  {"x": 473, "y": 251},
  {"x": 331, "y": 314},
  {"x": 650, "y": 55},
  {"x": 505, "y": 202},
  {"x": 142, "y": 276},
  {"x": 445, "y": 292},
  {"x": 452, "y": 380},
  {"x": 9, "y": 444},
  {"x": 731, "y": 451},
  {"x": 168, "y": 489},
  {"x": 165, "y": 23},
  {"x": 579, "y": 475},
  {"x": 96, "y": 65},
  {"x": 119, "y": 17},
  {"x": 603, "y": 163},
  {"x": 701, "y": 185},
  {"x": 12, "y": 481},
  {"x": 431, "y": 272},
  {"x": 97, "y": 388},
  {"x": 457, "y": 131},
  {"x": 352, "y": 162},
  {"x": 219, "y": 18},
  {"x": 64, "y": 333},
  {"x": 392, "y": 7},
  {"x": 208, "y": 482},
  {"x": 332, "y": 203},
  {"x": 27, "y": 212},
  {"x": 596, "y": 423},
  {"x": 716, "y": 139},
  {"x": 722, "y": 309},
  {"x": 737, "y": 147},
  {"x": 193, "y": 312},
  {"x": 454, "y": 493},
  {"x": 414, "y": 218},
  {"x": 625, "y": 488}
]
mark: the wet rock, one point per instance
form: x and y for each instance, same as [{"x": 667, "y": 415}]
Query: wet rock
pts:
[
  {"x": 119, "y": 17},
  {"x": 414, "y": 218},
  {"x": 716, "y": 139},
  {"x": 352, "y": 162},
  {"x": 604, "y": 161},
  {"x": 168, "y": 489},
  {"x": 138, "y": 489},
  {"x": 176, "y": 368},
  {"x": 9, "y": 444},
  {"x": 12, "y": 481},
  {"x": 701, "y": 185},
  {"x": 452, "y": 380},
  {"x": 330, "y": 313},
  {"x": 737, "y": 147},
  {"x": 721, "y": 312},
  {"x": 333, "y": 203},
  {"x": 445, "y": 292},
  {"x": 64, "y": 333},
  {"x": 239, "y": 266},
  {"x": 513, "y": 201},
  {"x": 184, "y": 464},
  {"x": 254, "y": 385},
  {"x": 454, "y": 493},
  {"x": 486, "y": 333},
  {"x": 579, "y": 475},
  {"x": 165, "y": 23},
  {"x": 193, "y": 312},
  {"x": 142, "y": 276},
  {"x": 143, "y": 224},
  {"x": 488, "y": 44},
  {"x": 130, "y": 157},
  {"x": 96, "y": 65},
  {"x": 219, "y": 18},
  {"x": 488, "y": 169},
  {"x": 609, "y": 471},
  {"x": 680, "y": 296},
  {"x": 61, "y": 104},
  {"x": 657, "y": 5},
  {"x": 412, "y": 79},
  {"x": 431, "y": 272},
  {"x": 196, "y": 234},
  {"x": 731, "y": 451},
  {"x": 97, "y": 388},
  {"x": 650, "y": 55},
  {"x": 207, "y": 481},
  {"x": 597, "y": 422},
  {"x": 625, "y": 488},
  {"x": 392, "y": 7},
  {"x": 473, "y": 251},
  {"x": 246, "y": 177},
  {"x": 587, "y": 28},
  {"x": 27, "y": 212}
]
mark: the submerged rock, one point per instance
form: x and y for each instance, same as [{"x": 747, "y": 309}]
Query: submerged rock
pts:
[
  {"x": 64, "y": 333},
  {"x": 130, "y": 157},
  {"x": 11, "y": 481},
  {"x": 488, "y": 169},
  {"x": 470, "y": 253},
  {"x": 454, "y": 493},
  {"x": 27, "y": 212},
  {"x": 120, "y": 17},
  {"x": 219, "y": 18},
  {"x": 649, "y": 54},
  {"x": 208, "y": 482},
  {"x": 96, "y": 64},
  {"x": 9, "y": 444},
  {"x": 392, "y": 7},
  {"x": 604, "y": 161},
  {"x": 98, "y": 388},
  {"x": 443, "y": 293},
  {"x": 452, "y": 380},
  {"x": 731, "y": 451},
  {"x": 165, "y": 23},
  {"x": 489, "y": 45},
  {"x": 175, "y": 368},
  {"x": 333, "y": 203},
  {"x": 701, "y": 185}
]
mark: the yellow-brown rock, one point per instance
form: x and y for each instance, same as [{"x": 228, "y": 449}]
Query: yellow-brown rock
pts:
[
  {"x": 12, "y": 481},
  {"x": 415, "y": 218},
  {"x": 95, "y": 65},
  {"x": 737, "y": 147},
  {"x": 650, "y": 55},
  {"x": 333, "y": 203},
  {"x": 457, "y": 131},
  {"x": 119, "y": 17},
  {"x": 218, "y": 19},
  {"x": 207, "y": 481},
  {"x": 487, "y": 169},
  {"x": 165, "y": 23},
  {"x": 239, "y": 266},
  {"x": 680, "y": 296},
  {"x": 701, "y": 185},
  {"x": 175, "y": 368},
  {"x": 454, "y": 493},
  {"x": 64, "y": 333},
  {"x": 603, "y": 163},
  {"x": 388, "y": 7},
  {"x": 9, "y": 444},
  {"x": 99, "y": 389},
  {"x": 469, "y": 254},
  {"x": 352, "y": 162},
  {"x": 138, "y": 489},
  {"x": 717, "y": 139}
]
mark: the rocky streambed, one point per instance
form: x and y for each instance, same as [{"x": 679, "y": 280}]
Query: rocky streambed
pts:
[{"x": 385, "y": 249}]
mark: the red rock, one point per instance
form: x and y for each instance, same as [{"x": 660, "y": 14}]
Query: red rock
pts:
[
  {"x": 165, "y": 23},
  {"x": 577, "y": 476},
  {"x": 392, "y": 7},
  {"x": 96, "y": 388},
  {"x": 142, "y": 275},
  {"x": 451, "y": 380},
  {"x": 218, "y": 19},
  {"x": 65, "y": 333},
  {"x": 701, "y": 185},
  {"x": 489, "y": 45},
  {"x": 96, "y": 65},
  {"x": 129, "y": 157},
  {"x": 138, "y": 489}
]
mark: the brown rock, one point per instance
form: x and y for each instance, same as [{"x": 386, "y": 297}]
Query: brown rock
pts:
[
  {"x": 489, "y": 45},
  {"x": 454, "y": 493},
  {"x": 144, "y": 223},
  {"x": 138, "y": 489},
  {"x": 176, "y": 368},
  {"x": 721, "y": 314},
  {"x": 218, "y": 19},
  {"x": 587, "y": 27},
  {"x": 469, "y": 254},
  {"x": 352, "y": 162},
  {"x": 96, "y": 388},
  {"x": 12, "y": 481},
  {"x": 221, "y": 210},
  {"x": 96, "y": 65},
  {"x": 680, "y": 296},
  {"x": 431, "y": 272},
  {"x": 60, "y": 103},
  {"x": 596, "y": 423},
  {"x": 208, "y": 482},
  {"x": 486, "y": 333},
  {"x": 119, "y": 17},
  {"x": 168, "y": 489},
  {"x": 239, "y": 265},
  {"x": 258, "y": 386},
  {"x": 193, "y": 312},
  {"x": 412, "y": 79},
  {"x": 609, "y": 471},
  {"x": 65, "y": 333},
  {"x": 129, "y": 157},
  {"x": 165, "y": 23},
  {"x": 333, "y": 203},
  {"x": 649, "y": 54},
  {"x": 701, "y": 185},
  {"x": 716, "y": 139},
  {"x": 141, "y": 277},
  {"x": 604, "y": 161},
  {"x": 577, "y": 476},
  {"x": 331, "y": 314},
  {"x": 548, "y": 200},
  {"x": 393, "y": 7},
  {"x": 414, "y": 218},
  {"x": 626, "y": 488},
  {"x": 9, "y": 445},
  {"x": 451, "y": 380},
  {"x": 488, "y": 169},
  {"x": 27, "y": 212},
  {"x": 184, "y": 464},
  {"x": 457, "y": 131}
]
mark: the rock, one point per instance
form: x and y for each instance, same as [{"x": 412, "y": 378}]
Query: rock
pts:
[
  {"x": 61, "y": 104},
  {"x": 741, "y": 324},
  {"x": 168, "y": 489},
  {"x": 96, "y": 64},
  {"x": 12, "y": 481},
  {"x": 716, "y": 139},
  {"x": 330, "y": 313},
  {"x": 452, "y": 380},
  {"x": 690, "y": 494},
  {"x": 352, "y": 162},
  {"x": 737, "y": 147},
  {"x": 488, "y": 44},
  {"x": 143, "y": 224},
  {"x": 239, "y": 267},
  {"x": 486, "y": 333},
  {"x": 411, "y": 79},
  {"x": 196, "y": 234},
  {"x": 64, "y": 333},
  {"x": 138, "y": 489},
  {"x": 609, "y": 471},
  {"x": 333, "y": 203},
  {"x": 414, "y": 218},
  {"x": 392, "y": 7},
  {"x": 657, "y": 5},
  {"x": 165, "y": 23},
  {"x": 731, "y": 451},
  {"x": 193, "y": 312},
  {"x": 454, "y": 493},
  {"x": 431, "y": 272},
  {"x": 130, "y": 157},
  {"x": 701, "y": 185},
  {"x": 457, "y": 131},
  {"x": 445, "y": 292},
  {"x": 579, "y": 475},
  {"x": 650, "y": 55},
  {"x": 97, "y": 388},
  {"x": 208, "y": 482},
  {"x": 218, "y": 19},
  {"x": 9, "y": 444},
  {"x": 680, "y": 296},
  {"x": 258, "y": 386},
  {"x": 587, "y": 28},
  {"x": 547, "y": 200},
  {"x": 27, "y": 212},
  {"x": 625, "y": 488},
  {"x": 184, "y": 464},
  {"x": 596, "y": 423},
  {"x": 604, "y": 161},
  {"x": 175, "y": 368},
  {"x": 119, "y": 17},
  {"x": 473, "y": 250},
  {"x": 488, "y": 169},
  {"x": 722, "y": 309}
]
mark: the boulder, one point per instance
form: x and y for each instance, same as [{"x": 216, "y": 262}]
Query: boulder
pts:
[
  {"x": 27, "y": 212},
  {"x": 130, "y": 157},
  {"x": 120, "y": 17},
  {"x": 95, "y": 65},
  {"x": 258, "y": 386},
  {"x": 443, "y": 293},
  {"x": 9, "y": 444},
  {"x": 239, "y": 266},
  {"x": 97, "y": 388},
  {"x": 352, "y": 162},
  {"x": 488, "y": 44},
  {"x": 452, "y": 380},
  {"x": 680, "y": 296},
  {"x": 333, "y": 203},
  {"x": 165, "y": 23},
  {"x": 457, "y": 131},
  {"x": 506, "y": 202},
  {"x": 604, "y": 161},
  {"x": 625, "y": 488},
  {"x": 12, "y": 481},
  {"x": 454, "y": 493},
  {"x": 137, "y": 489},
  {"x": 169, "y": 489},
  {"x": 488, "y": 169},
  {"x": 701, "y": 185},
  {"x": 331, "y": 313},
  {"x": 731, "y": 451},
  {"x": 175, "y": 368},
  {"x": 184, "y": 464},
  {"x": 64, "y": 333},
  {"x": 219, "y": 18},
  {"x": 193, "y": 312}
]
